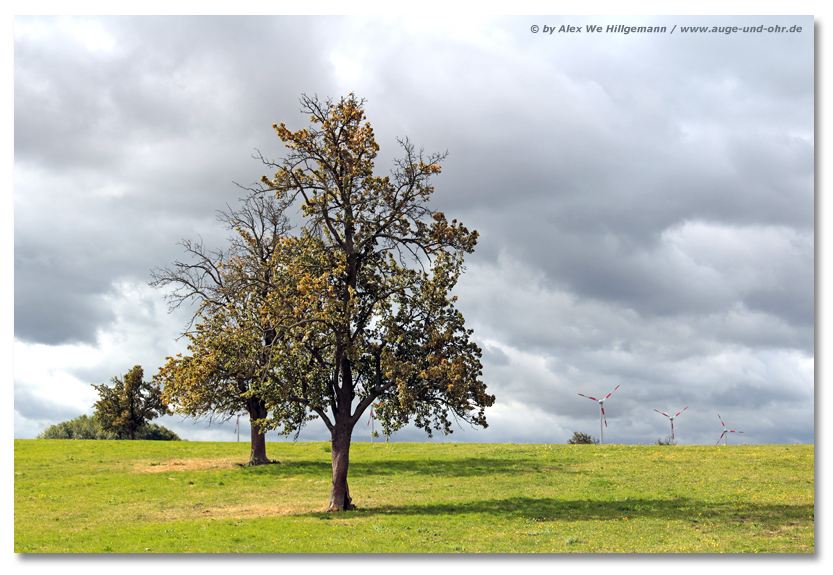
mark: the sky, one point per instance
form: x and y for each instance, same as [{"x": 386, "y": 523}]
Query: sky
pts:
[{"x": 645, "y": 203}]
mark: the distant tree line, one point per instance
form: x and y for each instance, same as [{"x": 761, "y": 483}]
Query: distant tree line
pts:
[{"x": 89, "y": 427}]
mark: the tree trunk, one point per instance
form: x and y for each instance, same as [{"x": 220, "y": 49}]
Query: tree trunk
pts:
[
  {"x": 340, "y": 493},
  {"x": 258, "y": 456}
]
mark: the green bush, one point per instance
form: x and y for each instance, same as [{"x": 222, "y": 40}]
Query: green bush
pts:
[
  {"x": 84, "y": 427},
  {"x": 156, "y": 432},
  {"x": 579, "y": 438}
]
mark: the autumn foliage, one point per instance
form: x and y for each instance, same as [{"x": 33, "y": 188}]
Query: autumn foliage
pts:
[{"x": 366, "y": 301}]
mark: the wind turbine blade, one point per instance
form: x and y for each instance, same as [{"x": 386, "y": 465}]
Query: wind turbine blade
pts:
[
  {"x": 665, "y": 414},
  {"x": 721, "y": 437},
  {"x": 588, "y": 397},
  {"x": 603, "y": 414},
  {"x": 611, "y": 393},
  {"x": 678, "y": 415}
]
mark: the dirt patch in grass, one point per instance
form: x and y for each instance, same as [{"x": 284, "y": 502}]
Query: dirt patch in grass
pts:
[
  {"x": 240, "y": 512},
  {"x": 182, "y": 465}
]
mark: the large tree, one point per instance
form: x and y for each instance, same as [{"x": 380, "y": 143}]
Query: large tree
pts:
[
  {"x": 231, "y": 338},
  {"x": 361, "y": 296},
  {"x": 129, "y": 404}
]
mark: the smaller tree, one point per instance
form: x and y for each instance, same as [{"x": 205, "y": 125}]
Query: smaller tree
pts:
[
  {"x": 234, "y": 348},
  {"x": 128, "y": 404},
  {"x": 579, "y": 438}
]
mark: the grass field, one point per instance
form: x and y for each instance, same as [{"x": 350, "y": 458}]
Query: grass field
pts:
[{"x": 170, "y": 497}]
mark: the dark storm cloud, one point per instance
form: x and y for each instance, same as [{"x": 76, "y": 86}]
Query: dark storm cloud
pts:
[
  {"x": 165, "y": 80},
  {"x": 121, "y": 153},
  {"x": 584, "y": 176},
  {"x": 645, "y": 203}
]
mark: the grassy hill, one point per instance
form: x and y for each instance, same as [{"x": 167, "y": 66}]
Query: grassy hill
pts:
[{"x": 169, "y": 497}]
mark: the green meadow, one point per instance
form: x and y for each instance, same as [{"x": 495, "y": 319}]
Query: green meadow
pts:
[{"x": 75, "y": 496}]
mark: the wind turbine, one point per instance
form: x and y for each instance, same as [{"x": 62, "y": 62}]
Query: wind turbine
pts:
[
  {"x": 601, "y": 412},
  {"x": 671, "y": 417},
  {"x": 370, "y": 423},
  {"x": 725, "y": 431},
  {"x": 237, "y": 427}
]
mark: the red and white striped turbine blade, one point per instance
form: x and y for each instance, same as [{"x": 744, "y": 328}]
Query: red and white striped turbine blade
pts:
[
  {"x": 721, "y": 437},
  {"x": 686, "y": 407},
  {"x": 665, "y": 414},
  {"x": 588, "y": 397},
  {"x": 611, "y": 393},
  {"x": 721, "y": 420}
]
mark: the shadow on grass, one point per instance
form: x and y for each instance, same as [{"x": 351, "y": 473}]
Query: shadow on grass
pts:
[
  {"x": 458, "y": 467},
  {"x": 549, "y": 509}
]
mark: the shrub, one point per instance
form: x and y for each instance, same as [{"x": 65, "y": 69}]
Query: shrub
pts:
[
  {"x": 666, "y": 441},
  {"x": 84, "y": 427},
  {"x": 156, "y": 432},
  {"x": 579, "y": 438}
]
